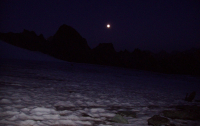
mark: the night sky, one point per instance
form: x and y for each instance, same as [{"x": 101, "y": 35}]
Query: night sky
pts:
[{"x": 145, "y": 24}]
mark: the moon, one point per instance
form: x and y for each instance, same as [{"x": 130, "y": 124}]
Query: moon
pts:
[{"x": 108, "y": 25}]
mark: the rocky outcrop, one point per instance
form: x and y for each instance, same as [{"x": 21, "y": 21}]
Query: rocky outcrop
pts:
[
  {"x": 50, "y": 38},
  {"x": 105, "y": 54},
  {"x": 126, "y": 59},
  {"x": 119, "y": 119},
  {"x": 67, "y": 44},
  {"x": 157, "y": 120},
  {"x": 184, "y": 112},
  {"x": 191, "y": 97},
  {"x": 27, "y": 39},
  {"x": 186, "y": 62},
  {"x": 127, "y": 113}
]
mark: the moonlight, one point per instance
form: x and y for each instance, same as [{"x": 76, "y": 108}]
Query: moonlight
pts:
[{"x": 108, "y": 26}]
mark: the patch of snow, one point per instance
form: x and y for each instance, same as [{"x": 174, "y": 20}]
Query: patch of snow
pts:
[
  {"x": 107, "y": 115},
  {"x": 5, "y": 101},
  {"x": 85, "y": 123},
  {"x": 94, "y": 110},
  {"x": 67, "y": 122},
  {"x": 27, "y": 123},
  {"x": 65, "y": 104},
  {"x": 41, "y": 111},
  {"x": 87, "y": 94}
]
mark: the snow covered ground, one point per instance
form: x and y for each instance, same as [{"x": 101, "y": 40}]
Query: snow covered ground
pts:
[{"x": 37, "y": 93}]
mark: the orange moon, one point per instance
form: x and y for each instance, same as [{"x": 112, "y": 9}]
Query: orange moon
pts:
[{"x": 108, "y": 26}]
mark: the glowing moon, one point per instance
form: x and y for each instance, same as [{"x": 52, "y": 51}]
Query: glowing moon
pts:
[{"x": 108, "y": 26}]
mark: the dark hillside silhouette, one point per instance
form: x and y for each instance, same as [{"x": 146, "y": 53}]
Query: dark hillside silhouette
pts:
[
  {"x": 67, "y": 44},
  {"x": 26, "y": 39},
  {"x": 105, "y": 54}
]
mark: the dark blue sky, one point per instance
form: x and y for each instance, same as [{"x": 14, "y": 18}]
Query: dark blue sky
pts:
[{"x": 146, "y": 24}]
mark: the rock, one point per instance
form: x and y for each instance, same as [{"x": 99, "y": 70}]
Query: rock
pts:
[
  {"x": 190, "y": 97},
  {"x": 125, "y": 58},
  {"x": 192, "y": 108},
  {"x": 184, "y": 112},
  {"x": 127, "y": 113},
  {"x": 105, "y": 54},
  {"x": 197, "y": 100},
  {"x": 119, "y": 119},
  {"x": 105, "y": 48},
  {"x": 157, "y": 120},
  {"x": 67, "y": 44},
  {"x": 174, "y": 114},
  {"x": 85, "y": 115},
  {"x": 35, "y": 43},
  {"x": 50, "y": 38},
  {"x": 66, "y": 34}
]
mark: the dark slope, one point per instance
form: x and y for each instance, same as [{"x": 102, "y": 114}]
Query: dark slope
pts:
[
  {"x": 27, "y": 39},
  {"x": 67, "y": 44}
]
